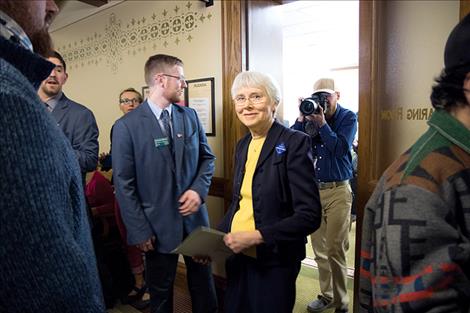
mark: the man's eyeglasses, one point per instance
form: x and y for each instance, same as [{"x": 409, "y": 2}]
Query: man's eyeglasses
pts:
[
  {"x": 180, "y": 78},
  {"x": 254, "y": 98},
  {"x": 129, "y": 101}
]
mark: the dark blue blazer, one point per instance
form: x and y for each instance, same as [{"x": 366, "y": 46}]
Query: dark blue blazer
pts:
[
  {"x": 149, "y": 181},
  {"x": 286, "y": 202},
  {"x": 79, "y": 126}
]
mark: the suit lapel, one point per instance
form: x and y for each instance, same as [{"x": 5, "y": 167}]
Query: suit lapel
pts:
[
  {"x": 151, "y": 123},
  {"x": 60, "y": 109},
  {"x": 243, "y": 154},
  {"x": 268, "y": 146},
  {"x": 178, "y": 134}
]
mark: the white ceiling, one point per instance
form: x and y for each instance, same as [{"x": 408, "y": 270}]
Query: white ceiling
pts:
[{"x": 317, "y": 23}]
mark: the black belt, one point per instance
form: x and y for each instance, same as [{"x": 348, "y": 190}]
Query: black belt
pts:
[{"x": 331, "y": 184}]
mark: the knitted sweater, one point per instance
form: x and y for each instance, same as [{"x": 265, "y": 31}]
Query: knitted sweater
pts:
[
  {"x": 415, "y": 254},
  {"x": 47, "y": 263}
]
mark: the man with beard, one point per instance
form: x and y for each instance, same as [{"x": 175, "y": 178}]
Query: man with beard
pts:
[
  {"x": 76, "y": 121},
  {"x": 162, "y": 169},
  {"x": 47, "y": 260}
]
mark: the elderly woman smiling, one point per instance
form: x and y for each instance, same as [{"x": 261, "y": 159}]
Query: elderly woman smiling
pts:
[{"x": 275, "y": 203}]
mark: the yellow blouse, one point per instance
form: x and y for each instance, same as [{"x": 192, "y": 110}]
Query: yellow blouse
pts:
[{"x": 244, "y": 219}]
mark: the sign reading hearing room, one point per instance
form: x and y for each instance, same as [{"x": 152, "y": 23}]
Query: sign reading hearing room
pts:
[{"x": 401, "y": 113}]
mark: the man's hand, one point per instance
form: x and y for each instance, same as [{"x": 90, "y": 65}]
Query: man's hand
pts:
[
  {"x": 147, "y": 245},
  {"x": 239, "y": 241},
  {"x": 317, "y": 118},
  {"x": 301, "y": 117},
  {"x": 189, "y": 202}
]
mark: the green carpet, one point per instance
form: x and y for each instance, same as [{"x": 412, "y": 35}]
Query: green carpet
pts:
[
  {"x": 307, "y": 282},
  {"x": 308, "y": 288}
]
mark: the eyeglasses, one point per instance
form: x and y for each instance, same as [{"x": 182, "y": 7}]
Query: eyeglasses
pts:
[
  {"x": 180, "y": 78},
  {"x": 254, "y": 98},
  {"x": 129, "y": 101}
]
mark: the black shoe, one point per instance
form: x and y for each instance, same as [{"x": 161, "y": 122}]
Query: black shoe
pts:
[
  {"x": 341, "y": 311},
  {"x": 141, "y": 304},
  {"x": 319, "y": 305},
  {"x": 138, "y": 293}
]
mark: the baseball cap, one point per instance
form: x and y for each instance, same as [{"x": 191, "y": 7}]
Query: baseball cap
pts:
[
  {"x": 457, "y": 50},
  {"x": 324, "y": 85}
]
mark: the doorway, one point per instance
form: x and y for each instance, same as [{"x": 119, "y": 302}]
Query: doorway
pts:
[{"x": 320, "y": 39}]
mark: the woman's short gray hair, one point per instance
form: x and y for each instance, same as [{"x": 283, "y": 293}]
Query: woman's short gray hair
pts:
[{"x": 260, "y": 80}]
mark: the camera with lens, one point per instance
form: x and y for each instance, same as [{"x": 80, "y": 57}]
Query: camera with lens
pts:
[{"x": 312, "y": 104}]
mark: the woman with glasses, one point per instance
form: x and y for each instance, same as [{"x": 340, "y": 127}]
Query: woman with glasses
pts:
[{"x": 275, "y": 203}]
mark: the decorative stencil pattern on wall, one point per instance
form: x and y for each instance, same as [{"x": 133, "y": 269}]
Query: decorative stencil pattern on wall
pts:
[{"x": 119, "y": 40}]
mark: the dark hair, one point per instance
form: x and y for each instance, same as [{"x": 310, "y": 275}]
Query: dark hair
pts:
[
  {"x": 448, "y": 90},
  {"x": 159, "y": 63},
  {"x": 139, "y": 96},
  {"x": 55, "y": 54}
]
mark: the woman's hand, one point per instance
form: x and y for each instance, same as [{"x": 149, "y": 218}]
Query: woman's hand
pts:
[{"x": 239, "y": 241}]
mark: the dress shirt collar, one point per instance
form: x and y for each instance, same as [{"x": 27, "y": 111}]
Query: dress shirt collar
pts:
[
  {"x": 10, "y": 30},
  {"x": 157, "y": 111},
  {"x": 52, "y": 101}
]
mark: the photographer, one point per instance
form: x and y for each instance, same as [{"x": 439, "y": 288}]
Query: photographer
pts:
[{"x": 332, "y": 129}]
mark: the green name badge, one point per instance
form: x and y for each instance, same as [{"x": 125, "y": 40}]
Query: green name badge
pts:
[{"x": 161, "y": 142}]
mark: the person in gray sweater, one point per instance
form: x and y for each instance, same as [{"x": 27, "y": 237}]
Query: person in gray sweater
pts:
[
  {"x": 47, "y": 263},
  {"x": 415, "y": 254}
]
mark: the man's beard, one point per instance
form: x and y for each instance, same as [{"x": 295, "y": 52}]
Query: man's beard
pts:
[
  {"x": 42, "y": 43},
  {"x": 49, "y": 92},
  {"x": 175, "y": 98}
]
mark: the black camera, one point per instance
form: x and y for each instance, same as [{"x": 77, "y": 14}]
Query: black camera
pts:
[{"x": 312, "y": 104}]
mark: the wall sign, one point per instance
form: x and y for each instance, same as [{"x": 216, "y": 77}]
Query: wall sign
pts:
[{"x": 200, "y": 96}]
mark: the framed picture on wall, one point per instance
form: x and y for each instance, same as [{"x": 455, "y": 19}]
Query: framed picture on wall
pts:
[
  {"x": 145, "y": 92},
  {"x": 200, "y": 96}
]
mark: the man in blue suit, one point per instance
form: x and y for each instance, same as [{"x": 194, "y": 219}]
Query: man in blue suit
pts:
[
  {"x": 162, "y": 169},
  {"x": 76, "y": 121}
]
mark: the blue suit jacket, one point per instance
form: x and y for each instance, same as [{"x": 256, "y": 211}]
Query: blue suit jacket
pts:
[
  {"x": 286, "y": 203},
  {"x": 149, "y": 181},
  {"x": 79, "y": 126}
]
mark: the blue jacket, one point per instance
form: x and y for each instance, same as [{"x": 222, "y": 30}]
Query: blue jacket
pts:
[
  {"x": 332, "y": 147},
  {"x": 149, "y": 181},
  {"x": 79, "y": 126},
  {"x": 47, "y": 263}
]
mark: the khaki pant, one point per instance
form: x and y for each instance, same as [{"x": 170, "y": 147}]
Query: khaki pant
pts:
[{"x": 330, "y": 243}]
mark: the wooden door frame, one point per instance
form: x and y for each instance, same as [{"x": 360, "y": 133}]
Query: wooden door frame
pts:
[
  {"x": 464, "y": 8},
  {"x": 369, "y": 143},
  {"x": 233, "y": 62}
]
